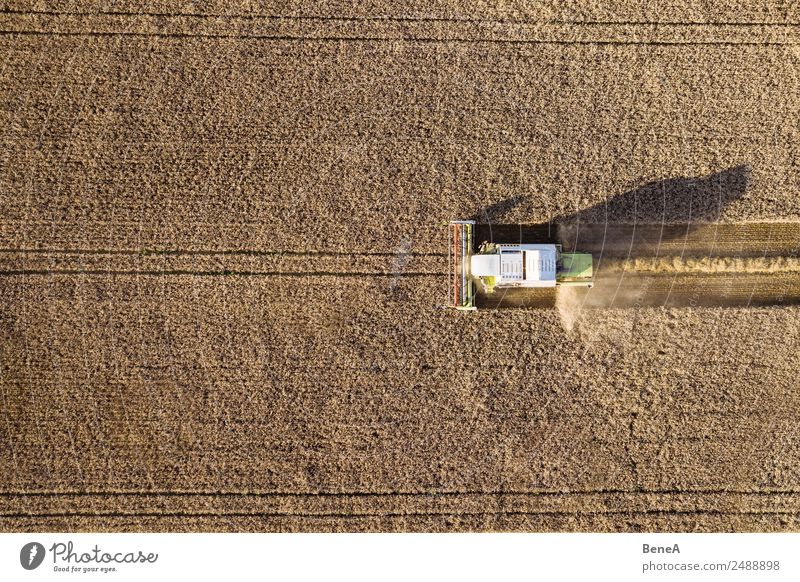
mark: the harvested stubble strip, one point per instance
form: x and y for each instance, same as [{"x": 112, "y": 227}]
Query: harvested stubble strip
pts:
[{"x": 708, "y": 265}]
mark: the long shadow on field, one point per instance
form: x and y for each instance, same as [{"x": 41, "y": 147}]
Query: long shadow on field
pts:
[
  {"x": 669, "y": 208},
  {"x": 674, "y": 217},
  {"x": 673, "y": 200},
  {"x": 656, "y": 216}
]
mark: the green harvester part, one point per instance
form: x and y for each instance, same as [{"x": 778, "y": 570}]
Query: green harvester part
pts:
[{"x": 575, "y": 269}]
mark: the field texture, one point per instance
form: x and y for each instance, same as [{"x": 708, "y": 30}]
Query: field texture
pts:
[{"x": 222, "y": 265}]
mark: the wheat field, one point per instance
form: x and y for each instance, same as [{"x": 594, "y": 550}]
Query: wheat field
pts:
[{"x": 223, "y": 262}]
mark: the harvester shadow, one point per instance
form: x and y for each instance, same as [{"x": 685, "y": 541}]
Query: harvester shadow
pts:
[
  {"x": 654, "y": 218},
  {"x": 627, "y": 224},
  {"x": 672, "y": 200},
  {"x": 672, "y": 217}
]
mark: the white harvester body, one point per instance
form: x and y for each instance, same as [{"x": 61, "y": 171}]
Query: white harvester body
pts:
[
  {"x": 503, "y": 265},
  {"x": 518, "y": 265}
]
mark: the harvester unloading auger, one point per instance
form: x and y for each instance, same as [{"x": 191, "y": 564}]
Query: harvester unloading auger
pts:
[{"x": 505, "y": 265}]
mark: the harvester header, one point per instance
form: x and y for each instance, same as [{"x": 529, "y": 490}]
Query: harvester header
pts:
[{"x": 461, "y": 288}]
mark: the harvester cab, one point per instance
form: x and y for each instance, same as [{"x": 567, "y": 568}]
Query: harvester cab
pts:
[{"x": 504, "y": 265}]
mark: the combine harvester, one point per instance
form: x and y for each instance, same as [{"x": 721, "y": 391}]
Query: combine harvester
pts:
[{"x": 508, "y": 265}]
